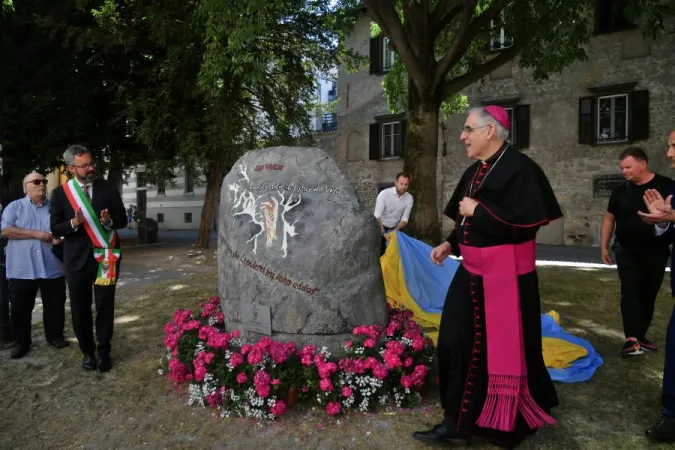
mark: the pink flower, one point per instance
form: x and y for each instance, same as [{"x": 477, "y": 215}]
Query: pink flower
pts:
[
  {"x": 408, "y": 362},
  {"x": 418, "y": 344},
  {"x": 395, "y": 347},
  {"x": 327, "y": 369},
  {"x": 276, "y": 382},
  {"x": 255, "y": 356},
  {"x": 261, "y": 378},
  {"x": 392, "y": 361},
  {"x": 214, "y": 399},
  {"x": 348, "y": 344},
  {"x": 236, "y": 359},
  {"x": 369, "y": 343},
  {"x": 347, "y": 391},
  {"x": 305, "y": 389},
  {"x": 278, "y": 408},
  {"x": 333, "y": 408},
  {"x": 246, "y": 348},
  {"x": 326, "y": 385},
  {"x": 235, "y": 334},
  {"x": 200, "y": 373},
  {"x": 263, "y": 391},
  {"x": 278, "y": 352},
  {"x": 380, "y": 371},
  {"x": 242, "y": 378},
  {"x": 182, "y": 316}
]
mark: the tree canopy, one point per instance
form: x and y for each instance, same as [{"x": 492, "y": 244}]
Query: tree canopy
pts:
[{"x": 443, "y": 46}]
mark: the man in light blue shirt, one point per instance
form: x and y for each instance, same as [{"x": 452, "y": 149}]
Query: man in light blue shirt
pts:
[{"x": 31, "y": 264}]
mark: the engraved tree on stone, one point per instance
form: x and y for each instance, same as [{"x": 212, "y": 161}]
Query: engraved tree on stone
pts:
[{"x": 263, "y": 211}]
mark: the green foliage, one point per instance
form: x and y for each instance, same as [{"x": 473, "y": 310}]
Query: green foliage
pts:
[{"x": 547, "y": 37}]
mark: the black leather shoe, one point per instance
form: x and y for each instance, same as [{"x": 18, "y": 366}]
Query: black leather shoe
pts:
[
  {"x": 442, "y": 434},
  {"x": 664, "y": 431},
  {"x": 19, "y": 352},
  {"x": 104, "y": 364},
  {"x": 59, "y": 343},
  {"x": 89, "y": 363}
]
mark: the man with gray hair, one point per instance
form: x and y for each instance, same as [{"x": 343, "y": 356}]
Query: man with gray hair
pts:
[
  {"x": 87, "y": 211},
  {"x": 492, "y": 377},
  {"x": 31, "y": 265}
]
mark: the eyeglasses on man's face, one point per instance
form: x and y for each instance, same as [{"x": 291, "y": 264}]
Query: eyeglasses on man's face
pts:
[
  {"x": 37, "y": 182},
  {"x": 470, "y": 129},
  {"x": 84, "y": 166}
]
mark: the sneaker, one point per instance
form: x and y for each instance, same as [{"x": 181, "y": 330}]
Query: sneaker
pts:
[
  {"x": 631, "y": 347},
  {"x": 647, "y": 346}
]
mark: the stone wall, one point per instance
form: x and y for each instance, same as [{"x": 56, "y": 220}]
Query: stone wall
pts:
[{"x": 615, "y": 58}]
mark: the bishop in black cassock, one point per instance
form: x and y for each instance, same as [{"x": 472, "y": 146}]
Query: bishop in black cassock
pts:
[{"x": 493, "y": 381}]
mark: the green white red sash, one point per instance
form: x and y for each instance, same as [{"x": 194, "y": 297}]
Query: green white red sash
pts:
[{"x": 102, "y": 239}]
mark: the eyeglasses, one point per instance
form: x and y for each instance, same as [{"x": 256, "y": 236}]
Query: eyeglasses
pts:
[
  {"x": 85, "y": 166},
  {"x": 37, "y": 182},
  {"x": 469, "y": 129}
]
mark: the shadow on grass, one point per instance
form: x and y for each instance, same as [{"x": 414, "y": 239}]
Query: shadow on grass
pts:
[{"x": 48, "y": 401}]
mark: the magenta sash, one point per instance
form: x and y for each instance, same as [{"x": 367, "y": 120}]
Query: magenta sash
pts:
[{"x": 508, "y": 390}]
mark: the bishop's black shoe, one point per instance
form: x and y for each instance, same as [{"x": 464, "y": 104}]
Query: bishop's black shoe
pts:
[
  {"x": 89, "y": 362},
  {"x": 104, "y": 363},
  {"x": 664, "y": 431},
  {"x": 442, "y": 434}
]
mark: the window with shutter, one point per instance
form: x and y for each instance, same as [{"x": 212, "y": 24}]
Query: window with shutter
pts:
[
  {"x": 617, "y": 114},
  {"x": 388, "y": 136}
]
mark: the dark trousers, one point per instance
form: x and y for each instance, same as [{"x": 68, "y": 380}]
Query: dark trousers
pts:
[
  {"x": 668, "y": 396},
  {"x": 641, "y": 274},
  {"x": 22, "y": 296},
  {"x": 81, "y": 287},
  {"x": 383, "y": 241}
]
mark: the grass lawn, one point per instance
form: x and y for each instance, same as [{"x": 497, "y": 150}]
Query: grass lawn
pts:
[{"x": 48, "y": 401}]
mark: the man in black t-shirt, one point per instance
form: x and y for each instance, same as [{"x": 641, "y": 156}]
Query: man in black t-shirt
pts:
[{"x": 641, "y": 256}]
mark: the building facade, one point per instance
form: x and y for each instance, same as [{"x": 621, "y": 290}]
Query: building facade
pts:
[
  {"x": 574, "y": 125},
  {"x": 175, "y": 205}
]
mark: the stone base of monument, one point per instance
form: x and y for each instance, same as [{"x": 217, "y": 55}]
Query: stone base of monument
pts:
[{"x": 298, "y": 254}]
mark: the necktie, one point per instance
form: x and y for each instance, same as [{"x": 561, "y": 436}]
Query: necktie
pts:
[{"x": 85, "y": 188}]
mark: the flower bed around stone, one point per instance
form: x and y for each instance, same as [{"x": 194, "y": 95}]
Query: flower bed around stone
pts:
[{"x": 381, "y": 367}]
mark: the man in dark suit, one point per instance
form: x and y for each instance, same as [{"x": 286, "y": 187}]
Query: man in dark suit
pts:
[{"x": 86, "y": 211}]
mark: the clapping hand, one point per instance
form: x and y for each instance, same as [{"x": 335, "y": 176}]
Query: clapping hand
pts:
[
  {"x": 79, "y": 218},
  {"x": 105, "y": 217},
  {"x": 660, "y": 210}
]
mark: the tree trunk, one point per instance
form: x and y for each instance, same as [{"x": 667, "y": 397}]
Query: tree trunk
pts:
[
  {"x": 115, "y": 171},
  {"x": 421, "y": 149},
  {"x": 209, "y": 208}
]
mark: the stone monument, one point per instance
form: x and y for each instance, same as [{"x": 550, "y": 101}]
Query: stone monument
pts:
[{"x": 298, "y": 254}]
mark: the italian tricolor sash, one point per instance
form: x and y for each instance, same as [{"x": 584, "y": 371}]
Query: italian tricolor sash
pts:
[{"x": 103, "y": 240}]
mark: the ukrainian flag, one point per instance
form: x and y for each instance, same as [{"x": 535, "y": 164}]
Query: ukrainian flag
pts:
[{"x": 413, "y": 282}]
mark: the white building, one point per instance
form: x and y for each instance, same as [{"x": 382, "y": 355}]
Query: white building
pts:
[{"x": 175, "y": 205}]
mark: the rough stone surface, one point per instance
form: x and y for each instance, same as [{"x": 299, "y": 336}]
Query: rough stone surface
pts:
[
  {"x": 294, "y": 236},
  {"x": 612, "y": 59}
]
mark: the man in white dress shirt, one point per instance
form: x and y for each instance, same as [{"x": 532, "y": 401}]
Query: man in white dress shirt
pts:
[{"x": 392, "y": 208}]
